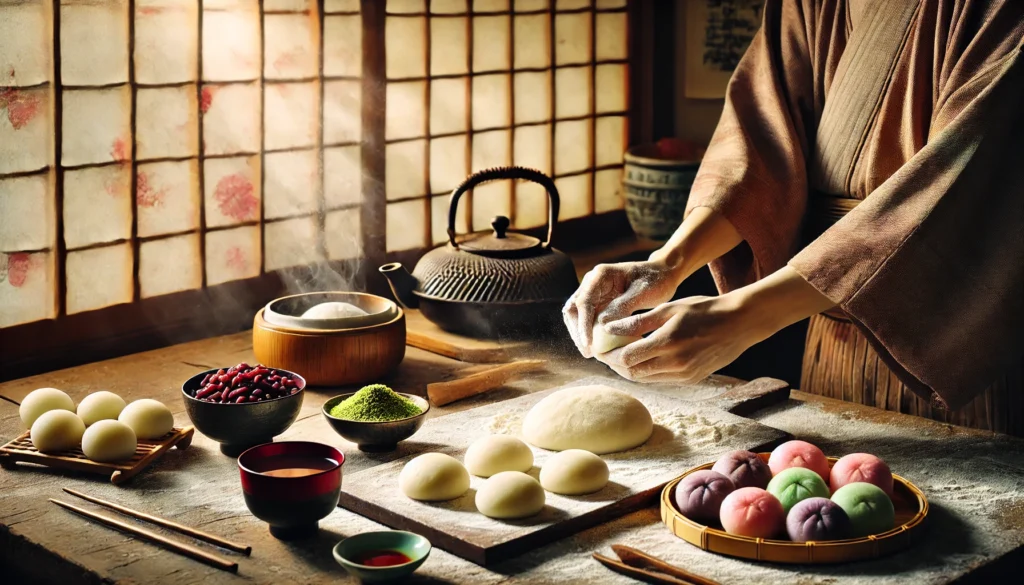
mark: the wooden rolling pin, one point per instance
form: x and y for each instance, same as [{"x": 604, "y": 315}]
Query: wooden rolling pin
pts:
[{"x": 441, "y": 393}]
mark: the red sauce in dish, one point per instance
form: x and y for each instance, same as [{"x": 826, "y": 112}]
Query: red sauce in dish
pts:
[{"x": 383, "y": 558}]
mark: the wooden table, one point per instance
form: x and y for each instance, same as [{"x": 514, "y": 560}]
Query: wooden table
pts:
[{"x": 974, "y": 480}]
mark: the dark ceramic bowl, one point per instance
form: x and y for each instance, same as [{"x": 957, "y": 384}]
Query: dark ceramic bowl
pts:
[
  {"x": 240, "y": 426},
  {"x": 376, "y": 436},
  {"x": 292, "y": 506}
]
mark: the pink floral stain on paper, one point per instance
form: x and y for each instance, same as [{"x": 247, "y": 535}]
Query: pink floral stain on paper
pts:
[
  {"x": 18, "y": 266},
  {"x": 119, "y": 150},
  {"x": 235, "y": 259},
  {"x": 115, "y": 186},
  {"x": 236, "y": 197},
  {"x": 206, "y": 99},
  {"x": 22, "y": 106},
  {"x": 147, "y": 195}
]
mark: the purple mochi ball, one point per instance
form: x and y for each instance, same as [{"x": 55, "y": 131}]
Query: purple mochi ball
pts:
[
  {"x": 817, "y": 519},
  {"x": 744, "y": 468},
  {"x": 699, "y": 495}
]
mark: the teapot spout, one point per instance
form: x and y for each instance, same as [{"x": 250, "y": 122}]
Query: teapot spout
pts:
[{"x": 402, "y": 284}]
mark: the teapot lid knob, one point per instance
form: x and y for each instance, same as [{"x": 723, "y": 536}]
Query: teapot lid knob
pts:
[{"x": 500, "y": 223}]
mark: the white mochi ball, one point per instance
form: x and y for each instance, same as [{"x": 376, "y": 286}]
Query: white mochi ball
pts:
[
  {"x": 599, "y": 419},
  {"x": 109, "y": 440},
  {"x": 99, "y": 406},
  {"x": 574, "y": 472},
  {"x": 496, "y": 453},
  {"x": 57, "y": 430},
  {"x": 43, "y": 400},
  {"x": 150, "y": 419},
  {"x": 509, "y": 495},
  {"x": 333, "y": 310},
  {"x": 433, "y": 477},
  {"x": 603, "y": 342}
]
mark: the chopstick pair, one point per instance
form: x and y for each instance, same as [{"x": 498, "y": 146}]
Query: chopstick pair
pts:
[
  {"x": 642, "y": 566},
  {"x": 184, "y": 549}
]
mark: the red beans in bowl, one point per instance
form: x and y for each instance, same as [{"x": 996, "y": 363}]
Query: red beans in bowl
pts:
[{"x": 245, "y": 383}]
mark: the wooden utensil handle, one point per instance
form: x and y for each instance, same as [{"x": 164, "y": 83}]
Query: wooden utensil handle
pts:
[
  {"x": 441, "y": 393},
  {"x": 638, "y": 558},
  {"x": 637, "y": 573}
]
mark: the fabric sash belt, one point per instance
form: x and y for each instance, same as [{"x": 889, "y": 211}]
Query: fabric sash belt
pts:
[{"x": 823, "y": 211}]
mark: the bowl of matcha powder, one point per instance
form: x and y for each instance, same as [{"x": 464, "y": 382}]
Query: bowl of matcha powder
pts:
[{"x": 376, "y": 417}]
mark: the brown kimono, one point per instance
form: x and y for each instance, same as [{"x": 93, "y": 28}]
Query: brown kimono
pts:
[{"x": 877, "y": 147}]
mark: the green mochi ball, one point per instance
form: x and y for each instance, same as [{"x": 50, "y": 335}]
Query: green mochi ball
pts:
[
  {"x": 869, "y": 509},
  {"x": 796, "y": 484}
]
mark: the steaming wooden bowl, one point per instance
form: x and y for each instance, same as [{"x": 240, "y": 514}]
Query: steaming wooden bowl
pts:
[{"x": 332, "y": 357}]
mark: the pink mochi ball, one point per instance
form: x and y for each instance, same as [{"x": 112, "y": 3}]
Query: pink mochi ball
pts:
[
  {"x": 799, "y": 454},
  {"x": 753, "y": 512},
  {"x": 861, "y": 468}
]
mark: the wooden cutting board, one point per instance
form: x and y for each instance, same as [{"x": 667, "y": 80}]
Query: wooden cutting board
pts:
[
  {"x": 686, "y": 433},
  {"x": 425, "y": 335}
]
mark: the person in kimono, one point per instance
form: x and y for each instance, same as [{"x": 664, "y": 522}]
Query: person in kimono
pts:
[{"x": 867, "y": 173}]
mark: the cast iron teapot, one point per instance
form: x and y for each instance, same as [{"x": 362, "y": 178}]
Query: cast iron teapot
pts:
[{"x": 490, "y": 284}]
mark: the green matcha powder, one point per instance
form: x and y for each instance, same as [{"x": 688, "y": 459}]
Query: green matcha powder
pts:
[{"x": 375, "y": 403}]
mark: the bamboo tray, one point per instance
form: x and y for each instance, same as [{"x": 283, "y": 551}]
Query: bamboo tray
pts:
[
  {"x": 911, "y": 510},
  {"x": 21, "y": 450}
]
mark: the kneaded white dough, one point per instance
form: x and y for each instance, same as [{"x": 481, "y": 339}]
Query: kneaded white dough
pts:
[
  {"x": 57, "y": 430},
  {"x": 99, "y": 406},
  {"x": 496, "y": 453},
  {"x": 43, "y": 400},
  {"x": 509, "y": 495},
  {"x": 599, "y": 419},
  {"x": 150, "y": 419},
  {"x": 603, "y": 342},
  {"x": 333, "y": 310},
  {"x": 109, "y": 440},
  {"x": 574, "y": 472},
  {"x": 433, "y": 477}
]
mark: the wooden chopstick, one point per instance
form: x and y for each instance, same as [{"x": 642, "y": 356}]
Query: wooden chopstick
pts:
[
  {"x": 636, "y": 573},
  {"x": 184, "y": 549},
  {"x": 223, "y": 543},
  {"x": 640, "y": 559}
]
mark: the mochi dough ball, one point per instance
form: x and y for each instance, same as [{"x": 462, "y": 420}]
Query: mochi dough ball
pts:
[
  {"x": 603, "y": 342},
  {"x": 817, "y": 519},
  {"x": 333, "y": 310},
  {"x": 57, "y": 430},
  {"x": 869, "y": 509},
  {"x": 753, "y": 512},
  {"x": 109, "y": 440},
  {"x": 799, "y": 454},
  {"x": 496, "y": 453},
  {"x": 509, "y": 495},
  {"x": 99, "y": 406},
  {"x": 599, "y": 419},
  {"x": 796, "y": 484},
  {"x": 861, "y": 467},
  {"x": 150, "y": 419},
  {"x": 744, "y": 468},
  {"x": 43, "y": 400},
  {"x": 699, "y": 495},
  {"x": 574, "y": 472},
  {"x": 433, "y": 477}
]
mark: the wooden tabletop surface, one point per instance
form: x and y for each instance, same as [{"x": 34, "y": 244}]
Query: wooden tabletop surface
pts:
[{"x": 974, "y": 481}]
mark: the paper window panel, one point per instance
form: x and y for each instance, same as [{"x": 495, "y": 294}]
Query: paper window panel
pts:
[
  {"x": 27, "y": 289},
  {"x": 343, "y": 176},
  {"x": 449, "y": 6},
  {"x": 491, "y": 101},
  {"x": 449, "y": 46},
  {"x": 448, "y": 162},
  {"x": 96, "y": 126},
  {"x": 332, "y": 6},
  {"x": 291, "y": 184},
  {"x": 529, "y": 5},
  {"x": 491, "y": 200},
  {"x": 406, "y": 6},
  {"x": 571, "y": 4},
  {"x": 572, "y": 38},
  {"x": 532, "y": 91},
  {"x": 26, "y": 213},
  {"x": 606, "y": 4},
  {"x": 531, "y": 206},
  {"x": 572, "y": 92},
  {"x": 231, "y": 119},
  {"x": 491, "y": 43},
  {"x": 343, "y": 234},
  {"x": 287, "y": 5},
  {"x": 608, "y": 190},
  {"x": 232, "y": 188},
  {"x": 343, "y": 46},
  {"x": 98, "y": 278},
  {"x": 405, "y": 225},
  {"x": 231, "y": 41},
  {"x": 405, "y": 115},
  {"x": 611, "y": 36},
  {"x": 532, "y": 41},
  {"x": 610, "y": 140},
  {"x": 169, "y": 265},
  {"x": 343, "y": 111},
  {"x": 405, "y": 40},
  {"x": 167, "y": 198},
  {"x": 97, "y": 205},
  {"x": 93, "y": 42},
  {"x": 574, "y": 192},
  {"x": 166, "y": 41},
  {"x": 439, "y": 206},
  {"x": 26, "y": 129},
  {"x": 290, "y": 112},
  {"x": 292, "y": 242},
  {"x": 532, "y": 147},
  {"x": 611, "y": 82},
  {"x": 166, "y": 123},
  {"x": 291, "y": 46},
  {"x": 490, "y": 5},
  {"x": 232, "y": 254},
  {"x": 448, "y": 103},
  {"x": 25, "y": 46},
  {"x": 490, "y": 149},
  {"x": 572, "y": 146},
  {"x": 405, "y": 169}
]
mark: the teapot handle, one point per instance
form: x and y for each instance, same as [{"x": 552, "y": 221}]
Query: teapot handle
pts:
[{"x": 499, "y": 173}]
